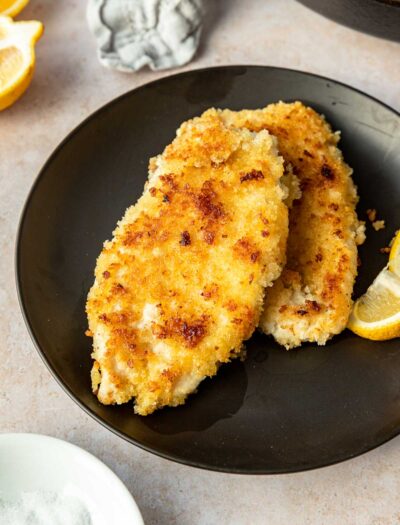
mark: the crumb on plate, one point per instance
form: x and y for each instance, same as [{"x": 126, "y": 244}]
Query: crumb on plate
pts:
[{"x": 378, "y": 225}]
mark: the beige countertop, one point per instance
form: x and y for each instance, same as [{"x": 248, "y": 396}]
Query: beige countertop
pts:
[{"x": 69, "y": 85}]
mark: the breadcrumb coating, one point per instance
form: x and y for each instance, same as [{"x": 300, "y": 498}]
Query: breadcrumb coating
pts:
[
  {"x": 181, "y": 284},
  {"x": 311, "y": 301}
]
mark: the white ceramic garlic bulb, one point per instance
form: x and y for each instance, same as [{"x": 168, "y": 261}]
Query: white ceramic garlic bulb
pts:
[{"x": 131, "y": 34}]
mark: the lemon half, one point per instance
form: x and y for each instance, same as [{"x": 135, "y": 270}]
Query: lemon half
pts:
[
  {"x": 17, "y": 57},
  {"x": 12, "y": 7}
]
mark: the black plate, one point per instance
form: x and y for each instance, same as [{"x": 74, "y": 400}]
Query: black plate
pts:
[
  {"x": 378, "y": 17},
  {"x": 278, "y": 411}
]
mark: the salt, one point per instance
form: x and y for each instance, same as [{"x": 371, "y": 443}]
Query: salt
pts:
[{"x": 44, "y": 508}]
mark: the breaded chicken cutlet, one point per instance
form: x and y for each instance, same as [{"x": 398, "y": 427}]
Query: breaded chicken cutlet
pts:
[
  {"x": 181, "y": 285},
  {"x": 311, "y": 301}
]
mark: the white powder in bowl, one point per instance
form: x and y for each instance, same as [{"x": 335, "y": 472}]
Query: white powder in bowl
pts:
[{"x": 44, "y": 508}]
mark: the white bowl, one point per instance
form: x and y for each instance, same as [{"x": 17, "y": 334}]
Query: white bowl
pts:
[{"x": 32, "y": 462}]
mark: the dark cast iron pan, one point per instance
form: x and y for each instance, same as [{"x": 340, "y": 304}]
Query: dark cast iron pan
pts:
[{"x": 377, "y": 17}]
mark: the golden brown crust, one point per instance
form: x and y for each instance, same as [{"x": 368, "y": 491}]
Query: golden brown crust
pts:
[
  {"x": 312, "y": 299},
  {"x": 181, "y": 284}
]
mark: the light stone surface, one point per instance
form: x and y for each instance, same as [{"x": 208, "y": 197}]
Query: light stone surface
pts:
[{"x": 69, "y": 85}]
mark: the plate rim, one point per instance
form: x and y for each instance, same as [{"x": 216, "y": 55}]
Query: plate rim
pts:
[{"x": 19, "y": 284}]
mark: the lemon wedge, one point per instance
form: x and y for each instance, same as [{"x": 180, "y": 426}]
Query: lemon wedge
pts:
[
  {"x": 394, "y": 257},
  {"x": 12, "y": 7},
  {"x": 376, "y": 314},
  {"x": 17, "y": 57}
]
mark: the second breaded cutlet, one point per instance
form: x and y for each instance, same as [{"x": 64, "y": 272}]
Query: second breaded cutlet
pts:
[
  {"x": 311, "y": 301},
  {"x": 181, "y": 284}
]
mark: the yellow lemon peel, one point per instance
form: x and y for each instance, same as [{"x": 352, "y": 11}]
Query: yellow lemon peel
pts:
[
  {"x": 376, "y": 314},
  {"x": 12, "y": 7},
  {"x": 17, "y": 57}
]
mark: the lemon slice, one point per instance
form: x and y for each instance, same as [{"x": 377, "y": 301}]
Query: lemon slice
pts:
[
  {"x": 376, "y": 314},
  {"x": 394, "y": 257},
  {"x": 17, "y": 57},
  {"x": 12, "y": 7}
]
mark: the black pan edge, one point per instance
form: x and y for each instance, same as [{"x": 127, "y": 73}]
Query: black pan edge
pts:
[{"x": 380, "y": 18}]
